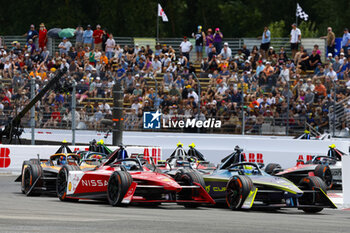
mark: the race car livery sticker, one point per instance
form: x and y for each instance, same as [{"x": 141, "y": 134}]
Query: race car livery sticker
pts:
[{"x": 73, "y": 181}]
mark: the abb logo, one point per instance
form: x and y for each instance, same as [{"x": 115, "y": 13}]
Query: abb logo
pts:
[
  {"x": 301, "y": 161},
  {"x": 156, "y": 154},
  {"x": 258, "y": 158},
  {"x": 5, "y": 159}
]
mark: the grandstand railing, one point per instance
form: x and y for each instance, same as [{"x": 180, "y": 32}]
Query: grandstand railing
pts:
[{"x": 234, "y": 43}]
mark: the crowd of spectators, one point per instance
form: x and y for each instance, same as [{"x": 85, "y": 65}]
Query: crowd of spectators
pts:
[{"x": 257, "y": 81}]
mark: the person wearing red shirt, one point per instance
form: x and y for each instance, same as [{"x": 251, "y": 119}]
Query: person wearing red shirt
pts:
[
  {"x": 55, "y": 118},
  {"x": 42, "y": 36},
  {"x": 97, "y": 35}
]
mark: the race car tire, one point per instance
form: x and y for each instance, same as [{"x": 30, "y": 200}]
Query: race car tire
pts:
[
  {"x": 237, "y": 190},
  {"x": 310, "y": 183},
  {"x": 187, "y": 177},
  {"x": 31, "y": 174},
  {"x": 34, "y": 161},
  {"x": 270, "y": 168},
  {"x": 324, "y": 172},
  {"x": 25, "y": 162},
  {"x": 61, "y": 183},
  {"x": 118, "y": 185}
]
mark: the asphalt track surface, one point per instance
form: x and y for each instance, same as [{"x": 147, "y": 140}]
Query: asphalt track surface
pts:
[{"x": 19, "y": 213}]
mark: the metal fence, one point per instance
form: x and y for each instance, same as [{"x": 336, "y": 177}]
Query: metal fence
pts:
[{"x": 234, "y": 43}]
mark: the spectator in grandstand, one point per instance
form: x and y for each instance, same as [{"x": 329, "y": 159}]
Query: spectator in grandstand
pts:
[
  {"x": 246, "y": 51},
  {"x": 79, "y": 37},
  {"x": 42, "y": 36},
  {"x": 265, "y": 42},
  {"x": 97, "y": 35},
  {"x": 32, "y": 34},
  {"x": 88, "y": 37},
  {"x": 110, "y": 45},
  {"x": 226, "y": 53},
  {"x": 209, "y": 41},
  {"x": 200, "y": 40},
  {"x": 295, "y": 38},
  {"x": 55, "y": 118},
  {"x": 64, "y": 46},
  {"x": 345, "y": 42},
  {"x": 320, "y": 90},
  {"x": 218, "y": 36},
  {"x": 313, "y": 60},
  {"x": 186, "y": 48}
]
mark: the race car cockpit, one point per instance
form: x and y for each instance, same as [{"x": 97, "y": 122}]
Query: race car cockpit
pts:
[{"x": 233, "y": 158}]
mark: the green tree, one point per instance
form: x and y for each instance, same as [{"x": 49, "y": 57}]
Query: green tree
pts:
[
  {"x": 308, "y": 29},
  {"x": 277, "y": 29}
]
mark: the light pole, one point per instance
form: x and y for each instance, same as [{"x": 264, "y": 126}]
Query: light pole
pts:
[
  {"x": 334, "y": 106},
  {"x": 73, "y": 111},
  {"x": 32, "y": 110},
  {"x": 118, "y": 120},
  {"x": 242, "y": 100}
]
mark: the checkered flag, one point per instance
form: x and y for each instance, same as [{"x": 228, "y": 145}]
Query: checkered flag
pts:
[{"x": 301, "y": 14}]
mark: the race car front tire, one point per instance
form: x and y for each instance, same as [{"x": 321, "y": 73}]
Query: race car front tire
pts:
[
  {"x": 118, "y": 185},
  {"x": 31, "y": 177},
  {"x": 62, "y": 180},
  {"x": 324, "y": 172},
  {"x": 187, "y": 177},
  {"x": 237, "y": 190},
  {"x": 310, "y": 183}
]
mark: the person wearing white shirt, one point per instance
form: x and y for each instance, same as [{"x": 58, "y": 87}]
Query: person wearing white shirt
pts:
[
  {"x": 186, "y": 47},
  {"x": 110, "y": 44},
  {"x": 226, "y": 52},
  {"x": 64, "y": 46},
  {"x": 308, "y": 85},
  {"x": 194, "y": 95},
  {"x": 332, "y": 74},
  {"x": 295, "y": 37},
  {"x": 284, "y": 73},
  {"x": 221, "y": 89}
]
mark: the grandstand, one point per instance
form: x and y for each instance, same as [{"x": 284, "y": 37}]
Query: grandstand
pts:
[{"x": 214, "y": 103}]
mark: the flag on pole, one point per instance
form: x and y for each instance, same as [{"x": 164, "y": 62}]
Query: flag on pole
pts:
[
  {"x": 301, "y": 14},
  {"x": 162, "y": 13}
]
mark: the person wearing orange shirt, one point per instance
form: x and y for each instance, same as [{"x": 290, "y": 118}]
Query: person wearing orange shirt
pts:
[
  {"x": 266, "y": 72},
  {"x": 104, "y": 59},
  {"x": 253, "y": 103},
  {"x": 320, "y": 89}
]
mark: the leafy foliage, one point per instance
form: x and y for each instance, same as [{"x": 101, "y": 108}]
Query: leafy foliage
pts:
[{"x": 236, "y": 18}]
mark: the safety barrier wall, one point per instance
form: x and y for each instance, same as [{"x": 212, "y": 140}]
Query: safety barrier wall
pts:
[{"x": 12, "y": 156}]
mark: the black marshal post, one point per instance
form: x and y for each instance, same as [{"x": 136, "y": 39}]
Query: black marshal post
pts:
[{"x": 118, "y": 119}]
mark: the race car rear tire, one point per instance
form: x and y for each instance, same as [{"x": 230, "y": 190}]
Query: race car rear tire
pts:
[
  {"x": 270, "y": 168},
  {"x": 118, "y": 185},
  {"x": 324, "y": 172},
  {"x": 31, "y": 174},
  {"x": 25, "y": 162},
  {"x": 187, "y": 177},
  {"x": 237, "y": 190},
  {"x": 61, "y": 183},
  {"x": 309, "y": 183}
]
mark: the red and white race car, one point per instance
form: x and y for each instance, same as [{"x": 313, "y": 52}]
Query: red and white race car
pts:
[{"x": 123, "y": 180}]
